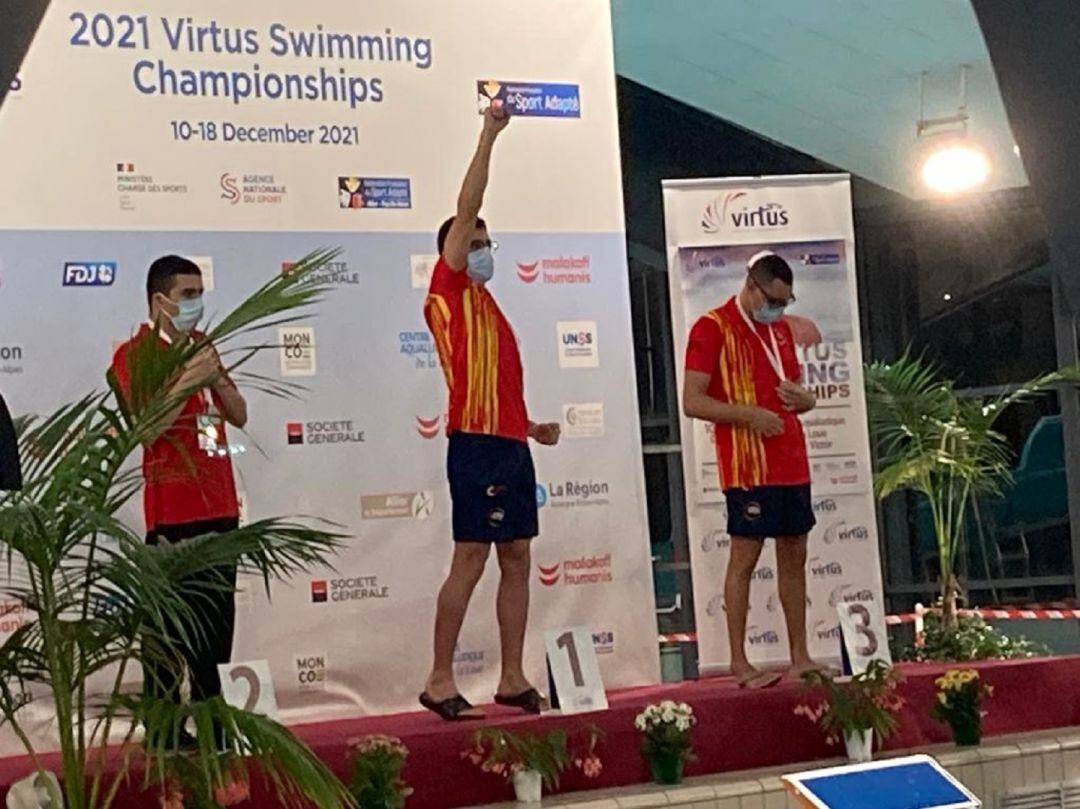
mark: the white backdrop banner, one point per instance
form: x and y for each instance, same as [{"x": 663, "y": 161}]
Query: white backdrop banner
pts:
[
  {"x": 247, "y": 134},
  {"x": 713, "y": 228}
]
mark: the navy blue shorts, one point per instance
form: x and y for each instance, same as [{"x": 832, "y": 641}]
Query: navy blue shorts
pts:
[
  {"x": 770, "y": 511},
  {"x": 493, "y": 488}
]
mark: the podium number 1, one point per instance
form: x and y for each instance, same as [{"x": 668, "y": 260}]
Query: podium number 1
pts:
[{"x": 565, "y": 641}]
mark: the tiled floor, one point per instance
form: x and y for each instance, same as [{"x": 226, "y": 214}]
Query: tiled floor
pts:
[{"x": 1004, "y": 763}]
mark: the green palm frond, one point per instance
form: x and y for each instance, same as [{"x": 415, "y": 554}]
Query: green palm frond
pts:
[
  {"x": 97, "y": 599},
  {"x": 929, "y": 440},
  {"x": 297, "y": 776}
]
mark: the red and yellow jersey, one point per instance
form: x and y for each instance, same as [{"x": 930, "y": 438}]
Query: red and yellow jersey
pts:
[
  {"x": 182, "y": 482},
  {"x": 722, "y": 344},
  {"x": 479, "y": 355}
]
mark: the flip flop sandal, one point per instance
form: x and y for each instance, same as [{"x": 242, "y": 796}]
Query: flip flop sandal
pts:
[
  {"x": 450, "y": 709},
  {"x": 759, "y": 680},
  {"x": 530, "y": 701}
]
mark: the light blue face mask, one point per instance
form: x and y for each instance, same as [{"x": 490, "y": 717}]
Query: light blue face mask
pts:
[
  {"x": 481, "y": 266},
  {"x": 190, "y": 312},
  {"x": 768, "y": 314}
]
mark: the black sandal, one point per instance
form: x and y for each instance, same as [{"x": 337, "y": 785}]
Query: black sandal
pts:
[
  {"x": 530, "y": 701},
  {"x": 450, "y": 709}
]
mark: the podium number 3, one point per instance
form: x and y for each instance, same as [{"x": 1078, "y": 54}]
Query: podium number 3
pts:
[
  {"x": 254, "y": 691},
  {"x": 566, "y": 641},
  {"x": 862, "y": 626}
]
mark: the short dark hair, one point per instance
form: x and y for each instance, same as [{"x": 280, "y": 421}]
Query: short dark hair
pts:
[
  {"x": 770, "y": 267},
  {"x": 164, "y": 270},
  {"x": 444, "y": 231}
]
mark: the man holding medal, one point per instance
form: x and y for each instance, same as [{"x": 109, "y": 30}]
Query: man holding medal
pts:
[
  {"x": 743, "y": 376},
  {"x": 189, "y": 490}
]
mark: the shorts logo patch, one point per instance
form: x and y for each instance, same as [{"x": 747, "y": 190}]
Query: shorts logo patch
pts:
[
  {"x": 752, "y": 511},
  {"x": 496, "y": 517},
  {"x": 495, "y": 491}
]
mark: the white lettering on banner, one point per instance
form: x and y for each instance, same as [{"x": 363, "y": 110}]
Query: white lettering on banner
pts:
[{"x": 713, "y": 228}]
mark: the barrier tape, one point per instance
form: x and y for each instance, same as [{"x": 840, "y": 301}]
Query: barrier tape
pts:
[{"x": 1053, "y": 611}]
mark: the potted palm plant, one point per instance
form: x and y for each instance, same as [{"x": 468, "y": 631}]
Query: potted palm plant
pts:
[
  {"x": 931, "y": 441},
  {"x": 90, "y": 590}
]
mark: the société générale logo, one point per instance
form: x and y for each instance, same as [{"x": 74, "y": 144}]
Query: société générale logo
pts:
[
  {"x": 335, "y": 273},
  {"x": 559, "y": 270},
  {"x": 89, "y": 273},
  {"x": 338, "y": 431},
  {"x": 577, "y": 571},
  {"x": 351, "y": 588},
  {"x": 730, "y": 210},
  {"x": 573, "y": 494},
  {"x": 252, "y": 189}
]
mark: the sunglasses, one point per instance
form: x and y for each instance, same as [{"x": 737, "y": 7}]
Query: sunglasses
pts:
[
  {"x": 479, "y": 244},
  {"x": 778, "y": 303}
]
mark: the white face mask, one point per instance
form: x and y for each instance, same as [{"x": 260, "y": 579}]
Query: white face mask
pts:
[{"x": 189, "y": 313}]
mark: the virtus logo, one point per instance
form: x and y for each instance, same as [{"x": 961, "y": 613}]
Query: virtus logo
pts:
[
  {"x": 428, "y": 428},
  {"x": 731, "y": 210},
  {"x": 845, "y": 595},
  {"x": 762, "y": 637},
  {"x": 826, "y": 632},
  {"x": 763, "y": 574},
  {"x": 825, "y": 570},
  {"x": 842, "y": 532}
]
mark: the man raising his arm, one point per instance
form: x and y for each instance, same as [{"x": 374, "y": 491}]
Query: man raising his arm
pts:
[{"x": 492, "y": 480}]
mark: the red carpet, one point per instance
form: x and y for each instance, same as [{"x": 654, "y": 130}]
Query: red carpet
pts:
[{"x": 737, "y": 730}]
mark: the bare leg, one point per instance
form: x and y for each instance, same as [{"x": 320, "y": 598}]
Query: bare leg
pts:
[
  {"x": 512, "y": 608},
  {"x": 744, "y": 557},
  {"x": 791, "y": 578},
  {"x": 465, "y": 572}
]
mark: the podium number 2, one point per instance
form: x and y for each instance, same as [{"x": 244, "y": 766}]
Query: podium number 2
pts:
[
  {"x": 565, "y": 641},
  {"x": 862, "y": 626},
  {"x": 254, "y": 691}
]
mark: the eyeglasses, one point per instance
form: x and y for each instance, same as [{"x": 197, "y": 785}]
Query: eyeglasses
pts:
[
  {"x": 778, "y": 303},
  {"x": 479, "y": 244}
]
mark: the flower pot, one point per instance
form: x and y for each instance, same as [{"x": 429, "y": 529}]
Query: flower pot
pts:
[
  {"x": 860, "y": 747},
  {"x": 527, "y": 786},
  {"x": 667, "y": 769},
  {"x": 967, "y": 734}
]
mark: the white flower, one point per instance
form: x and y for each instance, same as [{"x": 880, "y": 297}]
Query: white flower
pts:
[
  {"x": 667, "y": 705},
  {"x": 682, "y": 724},
  {"x": 686, "y": 709},
  {"x": 668, "y": 716},
  {"x": 640, "y": 723}
]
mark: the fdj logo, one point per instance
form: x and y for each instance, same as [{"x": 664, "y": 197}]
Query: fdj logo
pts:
[
  {"x": 731, "y": 210},
  {"x": 89, "y": 273}
]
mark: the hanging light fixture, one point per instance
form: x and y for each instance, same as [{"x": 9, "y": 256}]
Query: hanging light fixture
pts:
[{"x": 951, "y": 161}]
